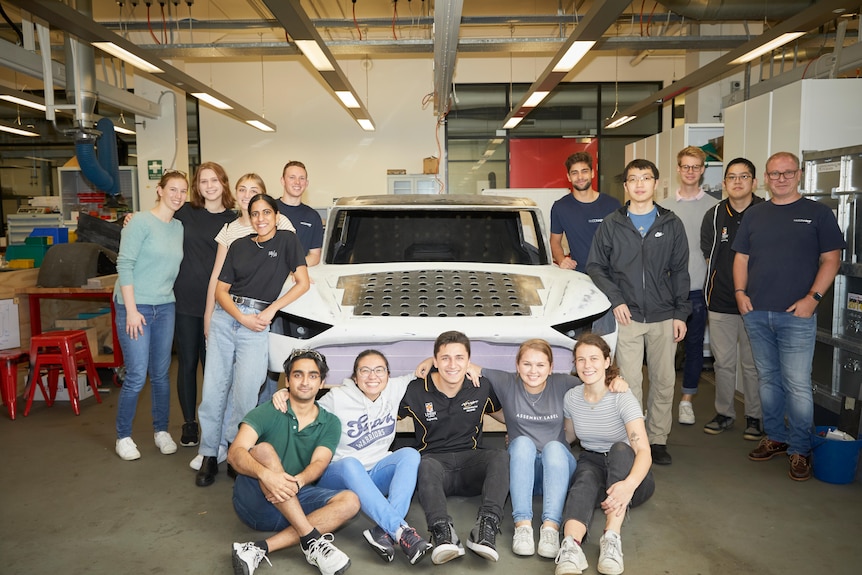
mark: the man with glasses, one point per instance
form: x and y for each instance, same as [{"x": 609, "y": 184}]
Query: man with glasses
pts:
[
  {"x": 690, "y": 203},
  {"x": 788, "y": 252},
  {"x": 727, "y": 336},
  {"x": 639, "y": 259},
  {"x": 447, "y": 412},
  {"x": 578, "y": 215},
  {"x": 279, "y": 457}
]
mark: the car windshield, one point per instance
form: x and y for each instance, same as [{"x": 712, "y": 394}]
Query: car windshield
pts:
[{"x": 364, "y": 236}]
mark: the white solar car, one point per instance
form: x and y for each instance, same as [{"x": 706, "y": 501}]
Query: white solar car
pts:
[{"x": 397, "y": 270}]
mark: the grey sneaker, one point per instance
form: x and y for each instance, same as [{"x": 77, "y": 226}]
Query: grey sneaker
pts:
[
  {"x": 571, "y": 559},
  {"x": 753, "y": 429},
  {"x": 522, "y": 542},
  {"x": 413, "y": 545},
  {"x": 610, "y": 554},
  {"x": 447, "y": 546},
  {"x": 246, "y": 557},
  {"x": 549, "y": 542},
  {"x": 483, "y": 537},
  {"x": 327, "y": 557},
  {"x": 718, "y": 424},
  {"x": 381, "y": 542}
]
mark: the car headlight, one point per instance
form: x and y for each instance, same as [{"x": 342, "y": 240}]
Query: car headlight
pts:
[
  {"x": 296, "y": 326},
  {"x": 600, "y": 324}
]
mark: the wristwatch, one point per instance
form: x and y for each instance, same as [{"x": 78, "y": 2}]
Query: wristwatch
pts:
[{"x": 816, "y": 295}]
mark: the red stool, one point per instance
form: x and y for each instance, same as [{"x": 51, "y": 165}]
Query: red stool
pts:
[
  {"x": 60, "y": 350},
  {"x": 9, "y": 360}
]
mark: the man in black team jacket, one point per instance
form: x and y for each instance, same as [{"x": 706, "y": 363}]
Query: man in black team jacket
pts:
[{"x": 447, "y": 412}]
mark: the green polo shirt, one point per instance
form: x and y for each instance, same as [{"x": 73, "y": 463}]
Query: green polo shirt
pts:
[{"x": 294, "y": 446}]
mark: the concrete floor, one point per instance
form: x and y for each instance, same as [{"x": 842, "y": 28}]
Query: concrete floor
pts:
[{"x": 71, "y": 506}]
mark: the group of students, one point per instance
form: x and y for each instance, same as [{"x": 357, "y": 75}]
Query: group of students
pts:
[
  {"x": 306, "y": 474},
  {"x": 162, "y": 296}
]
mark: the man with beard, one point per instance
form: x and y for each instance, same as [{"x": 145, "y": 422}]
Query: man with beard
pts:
[{"x": 579, "y": 214}]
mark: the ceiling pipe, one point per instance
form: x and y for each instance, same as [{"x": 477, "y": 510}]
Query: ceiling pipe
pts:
[{"x": 735, "y": 9}]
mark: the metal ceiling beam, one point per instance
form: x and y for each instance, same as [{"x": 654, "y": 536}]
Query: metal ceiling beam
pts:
[
  {"x": 66, "y": 19},
  {"x": 598, "y": 19},
  {"x": 29, "y": 63},
  {"x": 447, "y": 22},
  {"x": 807, "y": 20},
  {"x": 298, "y": 25}
]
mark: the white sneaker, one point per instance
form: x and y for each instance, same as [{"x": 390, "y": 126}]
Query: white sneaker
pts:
[
  {"x": 610, "y": 554},
  {"x": 127, "y": 450},
  {"x": 522, "y": 542},
  {"x": 197, "y": 462},
  {"x": 165, "y": 442},
  {"x": 686, "y": 413},
  {"x": 246, "y": 557},
  {"x": 326, "y": 556},
  {"x": 549, "y": 542},
  {"x": 571, "y": 559}
]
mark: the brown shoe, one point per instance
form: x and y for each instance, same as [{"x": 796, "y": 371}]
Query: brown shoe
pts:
[
  {"x": 767, "y": 449},
  {"x": 800, "y": 467}
]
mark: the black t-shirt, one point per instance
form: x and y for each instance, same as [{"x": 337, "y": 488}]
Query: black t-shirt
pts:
[
  {"x": 200, "y": 228},
  {"x": 306, "y": 220},
  {"x": 259, "y": 271},
  {"x": 444, "y": 424}
]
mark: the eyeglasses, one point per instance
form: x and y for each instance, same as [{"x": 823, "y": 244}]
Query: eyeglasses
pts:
[
  {"x": 782, "y": 175},
  {"x": 635, "y": 179},
  {"x": 305, "y": 354},
  {"x": 737, "y": 177},
  {"x": 379, "y": 371},
  {"x": 689, "y": 168}
]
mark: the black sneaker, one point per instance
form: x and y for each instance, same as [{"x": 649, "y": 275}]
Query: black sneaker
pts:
[
  {"x": 246, "y": 557},
  {"x": 413, "y": 545},
  {"x": 190, "y": 434},
  {"x": 718, "y": 424},
  {"x": 660, "y": 456},
  {"x": 753, "y": 429},
  {"x": 381, "y": 542},
  {"x": 447, "y": 546},
  {"x": 483, "y": 537}
]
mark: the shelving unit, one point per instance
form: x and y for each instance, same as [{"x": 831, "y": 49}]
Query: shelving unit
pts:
[
  {"x": 412, "y": 184},
  {"x": 78, "y": 194}
]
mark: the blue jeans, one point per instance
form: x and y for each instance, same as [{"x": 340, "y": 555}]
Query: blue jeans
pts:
[
  {"x": 384, "y": 492},
  {"x": 695, "y": 330},
  {"x": 783, "y": 348},
  {"x": 255, "y": 511},
  {"x": 150, "y": 353},
  {"x": 534, "y": 472},
  {"x": 236, "y": 365}
]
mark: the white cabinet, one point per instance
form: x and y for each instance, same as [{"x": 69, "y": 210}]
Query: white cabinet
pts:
[
  {"x": 412, "y": 184},
  {"x": 808, "y": 115}
]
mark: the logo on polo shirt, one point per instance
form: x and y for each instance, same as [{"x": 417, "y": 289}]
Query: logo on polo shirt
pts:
[
  {"x": 801, "y": 221},
  {"x": 470, "y": 405},
  {"x": 430, "y": 413},
  {"x": 306, "y": 224}
]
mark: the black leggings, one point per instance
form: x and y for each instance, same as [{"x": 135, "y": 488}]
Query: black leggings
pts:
[{"x": 190, "y": 344}]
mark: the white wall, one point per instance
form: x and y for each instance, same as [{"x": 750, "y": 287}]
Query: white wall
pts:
[{"x": 341, "y": 158}]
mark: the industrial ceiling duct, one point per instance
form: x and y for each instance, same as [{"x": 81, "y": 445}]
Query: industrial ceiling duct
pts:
[{"x": 715, "y": 10}]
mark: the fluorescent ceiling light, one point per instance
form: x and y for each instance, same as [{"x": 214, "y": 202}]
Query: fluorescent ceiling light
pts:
[
  {"x": 620, "y": 121},
  {"x": 497, "y": 141},
  {"x": 123, "y": 130},
  {"x": 17, "y": 131},
  {"x": 23, "y": 102},
  {"x": 315, "y": 55},
  {"x": 127, "y": 56},
  {"x": 212, "y": 100},
  {"x": 535, "y": 98},
  {"x": 768, "y": 47},
  {"x": 347, "y": 98},
  {"x": 512, "y": 122},
  {"x": 260, "y": 125},
  {"x": 367, "y": 125},
  {"x": 573, "y": 55}
]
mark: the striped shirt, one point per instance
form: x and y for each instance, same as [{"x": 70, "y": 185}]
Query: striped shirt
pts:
[
  {"x": 600, "y": 425},
  {"x": 236, "y": 230}
]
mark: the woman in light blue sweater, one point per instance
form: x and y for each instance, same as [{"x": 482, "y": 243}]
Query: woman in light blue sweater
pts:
[{"x": 151, "y": 249}]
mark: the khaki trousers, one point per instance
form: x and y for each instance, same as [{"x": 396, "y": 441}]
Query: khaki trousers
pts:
[{"x": 732, "y": 350}]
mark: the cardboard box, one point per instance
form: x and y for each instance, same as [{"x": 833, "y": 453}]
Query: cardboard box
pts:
[
  {"x": 84, "y": 389},
  {"x": 430, "y": 165},
  {"x": 10, "y": 334}
]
